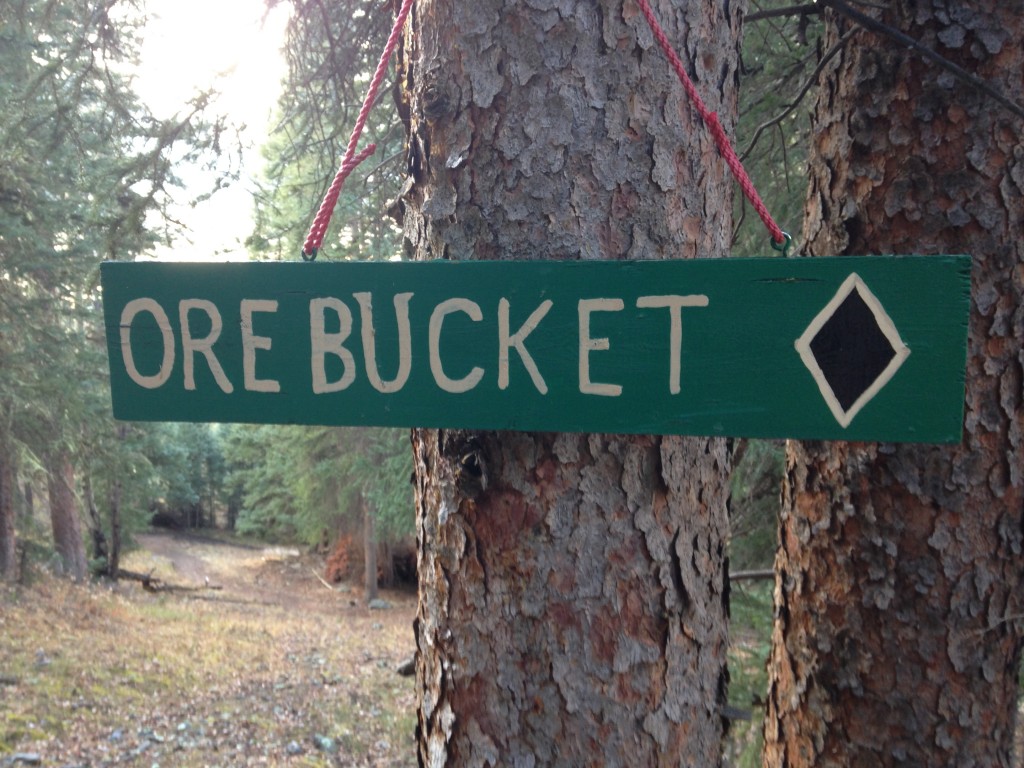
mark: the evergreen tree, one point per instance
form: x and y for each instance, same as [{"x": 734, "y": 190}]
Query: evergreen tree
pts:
[
  {"x": 780, "y": 50},
  {"x": 572, "y": 593},
  {"x": 310, "y": 481},
  {"x": 331, "y": 52},
  {"x": 81, "y": 166},
  {"x": 898, "y": 630}
]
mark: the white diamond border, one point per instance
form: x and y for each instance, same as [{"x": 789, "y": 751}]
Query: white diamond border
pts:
[{"x": 885, "y": 325}]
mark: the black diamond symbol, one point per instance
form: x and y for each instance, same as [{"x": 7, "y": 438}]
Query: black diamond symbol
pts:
[{"x": 852, "y": 349}]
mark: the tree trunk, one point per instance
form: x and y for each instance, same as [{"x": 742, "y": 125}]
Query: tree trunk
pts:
[
  {"x": 899, "y": 588},
  {"x": 114, "y": 553},
  {"x": 99, "y": 538},
  {"x": 572, "y": 595},
  {"x": 234, "y": 507},
  {"x": 369, "y": 553},
  {"x": 29, "y": 511},
  {"x": 8, "y": 550},
  {"x": 386, "y": 564},
  {"x": 67, "y": 528}
]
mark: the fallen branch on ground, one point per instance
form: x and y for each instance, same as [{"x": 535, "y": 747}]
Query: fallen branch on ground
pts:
[
  {"x": 322, "y": 581},
  {"x": 152, "y": 584}
]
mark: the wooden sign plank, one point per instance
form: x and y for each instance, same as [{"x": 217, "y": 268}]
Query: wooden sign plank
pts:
[{"x": 851, "y": 348}]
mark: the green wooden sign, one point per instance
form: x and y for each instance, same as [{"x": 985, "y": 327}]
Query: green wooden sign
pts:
[{"x": 852, "y": 348}]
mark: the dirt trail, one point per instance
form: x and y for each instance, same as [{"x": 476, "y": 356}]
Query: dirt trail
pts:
[
  {"x": 255, "y": 663},
  {"x": 268, "y": 574},
  {"x": 175, "y": 549}
]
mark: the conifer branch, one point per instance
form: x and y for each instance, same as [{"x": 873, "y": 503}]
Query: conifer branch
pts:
[
  {"x": 800, "y": 95},
  {"x": 790, "y": 10}
]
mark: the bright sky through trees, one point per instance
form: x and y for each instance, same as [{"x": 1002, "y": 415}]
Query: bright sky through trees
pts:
[{"x": 234, "y": 47}]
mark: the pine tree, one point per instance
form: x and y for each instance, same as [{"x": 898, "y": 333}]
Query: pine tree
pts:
[
  {"x": 572, "y": 587},
  {"x": 81, "y": 165},
  {"x": 899, "y": 581}
]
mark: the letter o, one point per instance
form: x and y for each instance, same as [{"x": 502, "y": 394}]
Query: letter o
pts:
[{"x": 131, "y": 309}]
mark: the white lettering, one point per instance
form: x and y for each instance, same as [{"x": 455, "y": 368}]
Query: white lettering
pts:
[
  {"x": 324, "y": 343},
  {"x": 469, "y": 381},
  {"x": 588, "y": 345},
  {"x": 674, "y": 304},
  {"x": 131, "y": 309},
  {"x": 370, "y": 346},
  {"x": 189, "y": 345},
  {"x": 506, "y": 341},
  {"x": 252, "y": 342}
]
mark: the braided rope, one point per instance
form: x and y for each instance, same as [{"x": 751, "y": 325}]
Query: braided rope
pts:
[
  {"x": 711, "y": 120},
  {"x": 318, "y": 229}
]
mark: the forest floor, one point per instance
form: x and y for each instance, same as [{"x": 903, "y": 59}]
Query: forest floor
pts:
[{"x": 254, "y": 663}]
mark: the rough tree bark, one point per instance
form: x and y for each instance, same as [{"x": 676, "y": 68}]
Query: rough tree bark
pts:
[
  {"x": 572, "y": 595},
  {"x": 67, "y": 526},
  {"x": 899, "y": 590}
]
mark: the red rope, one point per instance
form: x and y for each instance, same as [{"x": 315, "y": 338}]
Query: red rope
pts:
[
  {"x": 711, "y": 120},
  {"x": 318, "y": 229}
]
